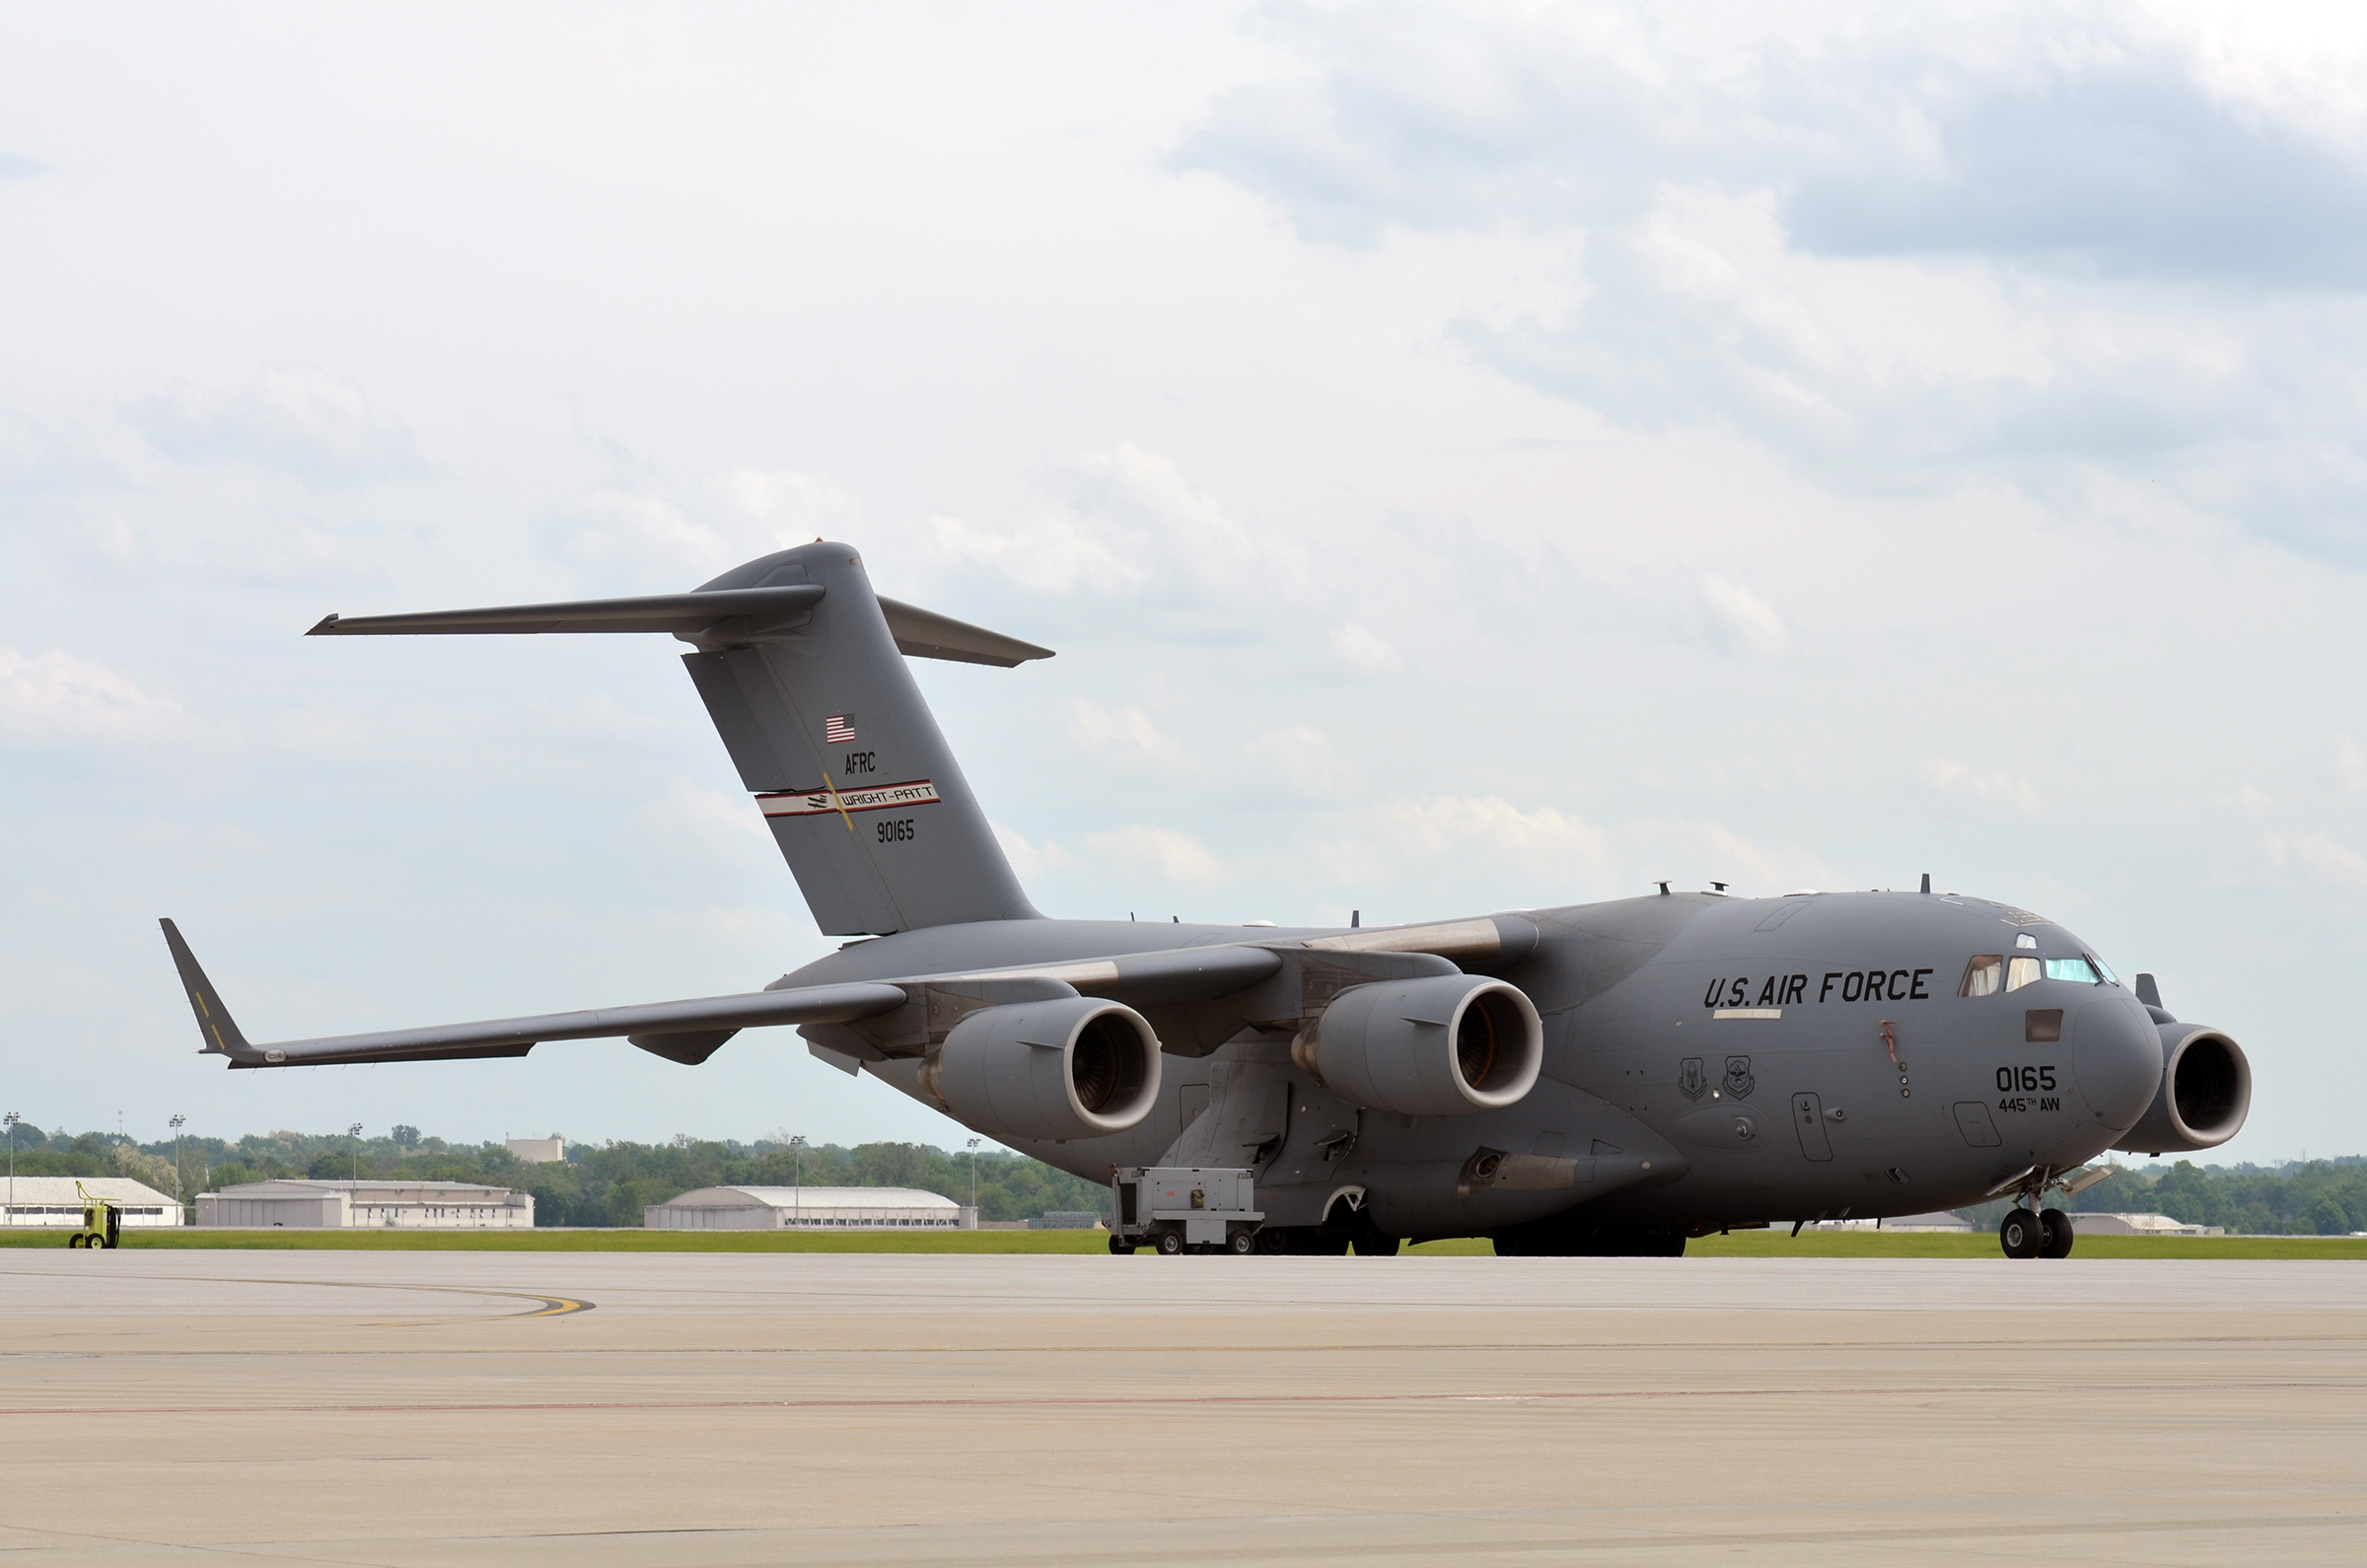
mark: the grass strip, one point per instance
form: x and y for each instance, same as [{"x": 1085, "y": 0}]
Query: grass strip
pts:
[{"x": 1743, "y": 1244}]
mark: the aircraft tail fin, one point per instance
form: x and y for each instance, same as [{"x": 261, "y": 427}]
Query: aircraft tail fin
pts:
[{"x": 801, "y": 668}]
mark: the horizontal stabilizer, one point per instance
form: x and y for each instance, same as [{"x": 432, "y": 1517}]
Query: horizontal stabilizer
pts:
[
  {"x": 689, "y": 613},
  {"x": 925, "y": 634},
  {"x": 515, "y": 1037},
  {"x": 918, "y": 633}
]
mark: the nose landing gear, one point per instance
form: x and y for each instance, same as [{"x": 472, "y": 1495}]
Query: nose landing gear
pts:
[
  {"x": 2029, "y": 1232},
  {"x": 2047, "y": 1233},
  {"x": 2018, "y": 1234}
]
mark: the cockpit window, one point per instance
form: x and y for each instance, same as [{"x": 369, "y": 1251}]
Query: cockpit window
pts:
[
  {"x": 1982, "y": 976},
  {"x": 2104, "y": 969},
  {"x": 2021, "y": 973},
  {"x": 2079, "y": 969}
]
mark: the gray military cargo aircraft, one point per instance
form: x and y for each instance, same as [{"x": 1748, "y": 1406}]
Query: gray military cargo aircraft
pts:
[{"x": 1604, "y": 1079}]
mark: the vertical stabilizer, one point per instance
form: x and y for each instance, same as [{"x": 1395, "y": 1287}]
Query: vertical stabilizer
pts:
[{"x": 831, "y": 734}]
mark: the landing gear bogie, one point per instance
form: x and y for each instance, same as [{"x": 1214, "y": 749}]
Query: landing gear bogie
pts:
[
  {"x": 2024, "y": 1233},
  {"x": 2020, "y": 1233},
  {"x": 2056, "y": 1234}
]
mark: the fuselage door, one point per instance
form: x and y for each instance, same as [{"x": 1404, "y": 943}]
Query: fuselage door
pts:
[{"x": 1808, "y": 1119}]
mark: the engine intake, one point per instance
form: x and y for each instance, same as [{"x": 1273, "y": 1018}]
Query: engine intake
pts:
[
  {"x": 2205, "y": 1094},
  {"x": 1076, "y": 1067},
  {"x": 1442, "y": 1046}
]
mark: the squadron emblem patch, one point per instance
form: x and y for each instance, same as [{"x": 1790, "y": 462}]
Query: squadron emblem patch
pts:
[
  {"x": 1739, "y": 1082},
  {"x": 1693, "y": 1078}
]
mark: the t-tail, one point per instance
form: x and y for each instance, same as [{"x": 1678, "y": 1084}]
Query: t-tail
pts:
[{"x": 801, "y": 668}]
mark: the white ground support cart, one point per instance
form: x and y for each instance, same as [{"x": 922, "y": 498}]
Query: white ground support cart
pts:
[{"x": 1184, "y": 1209}]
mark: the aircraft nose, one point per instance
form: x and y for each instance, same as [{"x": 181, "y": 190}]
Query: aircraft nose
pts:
[{"x": 2117, "y": 1059}]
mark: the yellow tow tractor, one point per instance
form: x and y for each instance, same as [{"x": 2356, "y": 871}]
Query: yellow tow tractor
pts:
[{"x": 102, "y": 1221}]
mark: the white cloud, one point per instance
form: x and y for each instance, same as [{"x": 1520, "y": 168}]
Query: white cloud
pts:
[
  {"x": 720, "y": 826},
  {"x": 2319, "y": 858},
  {"x": 1545, "y": 840},
  {"x": 1361, "y": 650},
  {"x": 1125, "y": 519},
  {"x": 615, "y": 532},
  {"x": 1739, "y": 619},
  {"x": 55, "y": 699},
  {"x": 1056, "y": 552},
  {"x": 1907, "y": 250},
  {"x": 1994, "y": 784},
  {"x": 1699, "y": 853},
  {"x": 1305, "y": 758},
  {"x": 1125, "y": 735},
  {"x": 1026, "y": 862},
  {"x": 295, "y": 419},
  {"x": 795, "y": 506},
  {"x": 2351, "y": 764},
  {"x": 1175, "y": 856},
  {"x": 642, "y": 531}
]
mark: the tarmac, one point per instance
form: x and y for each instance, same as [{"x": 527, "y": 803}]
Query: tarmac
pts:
[{"x": 587, "y": 1410}]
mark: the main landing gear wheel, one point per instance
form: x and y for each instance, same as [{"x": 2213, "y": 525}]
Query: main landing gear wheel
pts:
[
  {"x": 1170, "y": 1244},
  {"x": 2055, "y": 1228},
  {"x": 1241, "y": 1244},
  {"x": 2020, "y": 1233}
]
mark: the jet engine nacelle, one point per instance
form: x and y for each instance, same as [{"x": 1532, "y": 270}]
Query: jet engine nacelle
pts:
[
  {"x": 2205, "y": 1094},
  {"x": 1075, "y": 1067},
  {"x": 1442, "y": 1046}
]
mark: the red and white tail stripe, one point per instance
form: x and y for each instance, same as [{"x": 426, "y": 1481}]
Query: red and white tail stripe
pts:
[{"x": 863, "y": 798}]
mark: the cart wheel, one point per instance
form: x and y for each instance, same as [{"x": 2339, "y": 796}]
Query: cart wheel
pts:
[
  {"x": 1241, "y": 1244},
  {"x": 75, "y": 1240},
  {"x": 1121, "y": 1246},
  {"x": 1171, "y": 1242}
]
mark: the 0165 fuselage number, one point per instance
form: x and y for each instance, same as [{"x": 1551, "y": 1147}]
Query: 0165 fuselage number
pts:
[
  {"x": 2017, "y": 1085},
  {"x": 898, "y": 830}
]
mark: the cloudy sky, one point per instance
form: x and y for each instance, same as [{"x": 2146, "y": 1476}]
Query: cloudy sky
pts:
[{"x": 1467, "y": 456}]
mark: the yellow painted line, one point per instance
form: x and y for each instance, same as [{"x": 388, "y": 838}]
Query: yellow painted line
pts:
[{"x": 835, "y": 801}]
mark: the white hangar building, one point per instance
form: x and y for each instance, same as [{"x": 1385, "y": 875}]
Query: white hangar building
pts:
[
  {"x": 53, "y": 1200},
  {"x": 810, "y": 1209},
  {"x": 399, "y": 1205}
]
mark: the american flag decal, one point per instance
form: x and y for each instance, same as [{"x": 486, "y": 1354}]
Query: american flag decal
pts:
[{"x": 839, "y": 728}]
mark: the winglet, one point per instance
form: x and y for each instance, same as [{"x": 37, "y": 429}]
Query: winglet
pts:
[{"x": 221, "y": 1035}]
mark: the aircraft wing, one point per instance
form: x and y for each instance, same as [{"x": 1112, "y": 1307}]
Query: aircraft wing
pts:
[
  {"x": 699, "y": 1021},
  {"x": 690, "y": 1030}
]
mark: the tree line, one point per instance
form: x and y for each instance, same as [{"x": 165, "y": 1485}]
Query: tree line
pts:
[
  {"x": 2317, "y": 1197},
  {"x": 611, "y": 1182},
  {"x": 605, "y": 1184}
]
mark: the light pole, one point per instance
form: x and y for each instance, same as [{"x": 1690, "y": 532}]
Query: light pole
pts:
[
  {"x": 797, "y": 1156},
  {"x": 973, "y": 1179},
  {"x": 355, "y": 1133},
  {"x": 12, "y": 1118},
  {"x": 177, "y": 1201}
]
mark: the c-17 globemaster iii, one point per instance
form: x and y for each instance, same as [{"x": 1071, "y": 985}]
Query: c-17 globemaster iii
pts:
[{"x": 1598, "y": 1079}]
